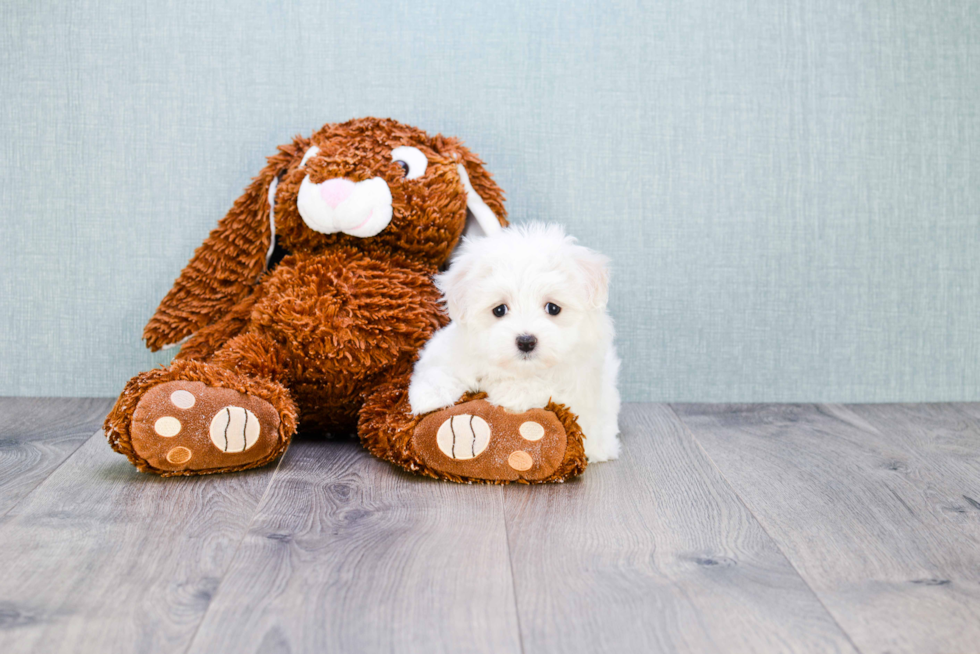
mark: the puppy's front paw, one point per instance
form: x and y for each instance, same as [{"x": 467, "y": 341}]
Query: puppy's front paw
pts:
[
  {"x": 428, "y": 397},
  {"x": 602, "y": 449}
]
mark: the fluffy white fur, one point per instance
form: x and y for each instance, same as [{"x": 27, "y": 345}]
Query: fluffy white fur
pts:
[{"x": 574, "y": 361}]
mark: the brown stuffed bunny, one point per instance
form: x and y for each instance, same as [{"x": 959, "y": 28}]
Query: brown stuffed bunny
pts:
[{"x": 366, "y": 212}]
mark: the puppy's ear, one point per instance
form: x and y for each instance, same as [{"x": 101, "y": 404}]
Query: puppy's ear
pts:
[
  {"x": 227, "y": 265},
  {"x": 455, "y": 282},
  {"x": 485, "y": 213},
  {"x": 594, "y": 269}
]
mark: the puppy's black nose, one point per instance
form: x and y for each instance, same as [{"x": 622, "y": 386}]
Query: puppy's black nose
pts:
[{"x": 526, "y": 342}]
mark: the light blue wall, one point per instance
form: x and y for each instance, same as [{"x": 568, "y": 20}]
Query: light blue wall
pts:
[{"x": 790, "y": 190}]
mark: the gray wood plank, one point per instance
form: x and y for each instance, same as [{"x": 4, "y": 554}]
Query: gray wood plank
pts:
[
  {"x": 946, "y": 439},
  {"x": 655, "y": 553},
  {"x": 102, "y": 558},
  {"x": 37, "y": 434},
  {"x": 860, "y": 514},
  {"x": 348, "y": 554}
]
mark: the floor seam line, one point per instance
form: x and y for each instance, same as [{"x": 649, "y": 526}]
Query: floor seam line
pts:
[
  {"x": 772, "y": 539},
  {"x": 510, "y": 565},
  {"x": 238, "y": 547},
  {"x": 82, "y": 444}
]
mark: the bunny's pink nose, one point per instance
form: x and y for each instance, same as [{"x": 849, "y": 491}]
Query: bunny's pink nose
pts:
[{"x": 335, "y": 191}]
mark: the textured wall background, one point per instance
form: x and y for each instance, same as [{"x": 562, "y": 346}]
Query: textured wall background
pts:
[{"x": 790, "y": 190}]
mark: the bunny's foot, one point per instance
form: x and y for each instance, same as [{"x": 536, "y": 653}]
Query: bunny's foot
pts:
[
  {"x": 180, "y": 426},
  {"x": 477, "y": 441},
  {"x": 187, "y": 426}
]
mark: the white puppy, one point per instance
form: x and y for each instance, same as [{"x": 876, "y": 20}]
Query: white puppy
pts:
[{"x": 529, "y": 324}]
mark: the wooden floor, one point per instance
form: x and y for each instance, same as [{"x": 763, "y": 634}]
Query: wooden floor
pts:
[{"x": 805, "y": 528}]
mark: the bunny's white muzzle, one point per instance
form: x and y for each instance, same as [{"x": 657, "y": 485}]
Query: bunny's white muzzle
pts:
[{"x": 360, "y": 209}]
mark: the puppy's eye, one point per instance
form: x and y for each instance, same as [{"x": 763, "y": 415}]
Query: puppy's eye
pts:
[
  {"x": 552, "y": 309},
  {"x": 500, "y": 310},
  {"x": 412, "y": 161}
]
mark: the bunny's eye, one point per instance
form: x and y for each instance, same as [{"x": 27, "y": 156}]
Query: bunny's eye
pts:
[
  {"x": 500, "y": 310},
  {"x": 552, "y": 309},
  {"x": 412, "y": 161},
  {"x": 312, "y": 152}
]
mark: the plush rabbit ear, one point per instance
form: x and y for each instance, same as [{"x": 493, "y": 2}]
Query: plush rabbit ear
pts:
[
  {"x": 229, "y": 262},
  {"x": 480, "y": 219},
  {"x": 485, "y": 213}
]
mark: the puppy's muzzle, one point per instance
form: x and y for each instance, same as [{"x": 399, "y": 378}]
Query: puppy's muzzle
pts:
[
  {"x": 360, "y": 209},
  {"x": 526, "y": 342}
]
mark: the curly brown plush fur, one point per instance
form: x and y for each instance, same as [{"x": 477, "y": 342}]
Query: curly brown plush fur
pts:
[{"x": 328, "y": 336}]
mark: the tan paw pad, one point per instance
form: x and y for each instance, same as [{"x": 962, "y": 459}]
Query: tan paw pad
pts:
[
  {"x": 179, "y": 455},
  {"x": 531, "y": 431},
  {"x": 167, "y": 426},
  {"x": 182, "y": 399},
  {"x": 520, "y": 461},
  {"x": 234, "y": 429},
  {"x": 463, "y": 436}
]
